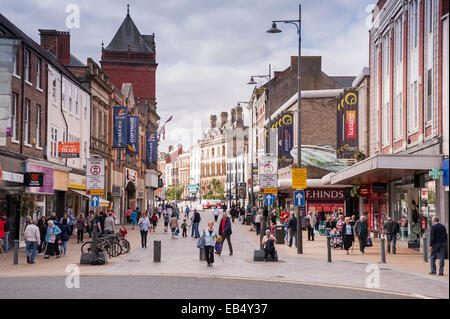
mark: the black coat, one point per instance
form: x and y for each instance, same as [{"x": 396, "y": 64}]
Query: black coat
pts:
[
  {"x": 227, "y": 230},
  {"x": 438, "y": 234}
]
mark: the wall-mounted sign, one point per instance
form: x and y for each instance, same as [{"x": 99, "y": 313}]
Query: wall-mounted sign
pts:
[
  {"x": 151, "y": 147},
  {"x": 69, "y": 149},
  {"x": 363, "y": 191},
  {"x": 379, "y": 187},
  {"x": 34, "y": 179},
  {"x": 347, "y": 124},
  {"x": 325, "y": 194}
]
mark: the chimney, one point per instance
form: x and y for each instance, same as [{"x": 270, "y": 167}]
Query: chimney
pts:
[
  {"x": 213, "y": 120},
  {"x": 239, "y": 119},
  {"x": 223, "y": 118},
  {"x": 58, "y": 42},
  {"x": 233, "y": 116}
]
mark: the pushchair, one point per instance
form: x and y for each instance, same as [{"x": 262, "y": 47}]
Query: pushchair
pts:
[{"x": 336, "y": 241}]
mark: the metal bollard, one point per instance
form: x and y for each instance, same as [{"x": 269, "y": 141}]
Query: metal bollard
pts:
[
  {"x": 202, "y": 254},
  {"x": 157, "y": 251},
  {"x": 329, "y": 248},
  {"x": 16, "y": 252},
  {"x": 383, "y": 252},
  {"x": 425, "y": 251}
]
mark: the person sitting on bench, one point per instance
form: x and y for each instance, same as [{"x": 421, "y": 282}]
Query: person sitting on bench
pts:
[{"x": 269, "y": 245}]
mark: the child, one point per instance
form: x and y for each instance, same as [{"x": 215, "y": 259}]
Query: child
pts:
[
  {"x": 184, "y": 227},
  {"x": 272, "y": 228}
]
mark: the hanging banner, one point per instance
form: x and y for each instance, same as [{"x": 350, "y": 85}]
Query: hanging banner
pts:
[
  {"x": 120, "y": 127},
  {"x": 285, "y": 139},
  {"x": 133, "y": 135},
  {"x": 347, "y": 124},
  {"x": 151, "y": 147}
]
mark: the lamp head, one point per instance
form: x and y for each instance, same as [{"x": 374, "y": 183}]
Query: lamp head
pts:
[
  {"x": 252, "y": 81},
  {"x": 273, "y": 29}
]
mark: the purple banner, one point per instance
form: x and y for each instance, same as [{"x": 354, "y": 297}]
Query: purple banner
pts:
[{"x": 47, "y": 187}]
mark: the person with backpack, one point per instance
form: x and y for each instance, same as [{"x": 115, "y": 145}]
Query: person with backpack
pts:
[
  {"x": 391, "y": 229},
  {"x": 268, "y": 242},
  {"x": 195, "y": 222}
]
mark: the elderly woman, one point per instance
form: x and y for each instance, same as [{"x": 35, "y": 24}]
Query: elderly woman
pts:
[
  {"x": 347, "y": 234},
  {"x": 210, "y": 242},
  {"x": 52, "y": 240}
]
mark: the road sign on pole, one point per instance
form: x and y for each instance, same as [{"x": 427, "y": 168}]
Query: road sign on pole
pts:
[
  {"x": 95, "y": 200},
  {"x": 299, "y": 197},
  {"x": 269, "y": 199},
  {"x": 95, "y": 176}
]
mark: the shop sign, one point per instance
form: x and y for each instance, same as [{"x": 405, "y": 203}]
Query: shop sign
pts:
[
  {"x": 12, "y": 177},
  {"x": 34, "y": 179},
  {"x": 363, "y": 191},
  {"x": 69, "y": 149},
  {"x": 48, "y": 179},
  {"x": 379, "y": 187},
  {"x": 325, "y": 194},
  {"x": 117, "y": 191},
  {"x": 445, "y": 170},
  {"x": 130, "y": 175},
  {"x": 299, "y": 176}
]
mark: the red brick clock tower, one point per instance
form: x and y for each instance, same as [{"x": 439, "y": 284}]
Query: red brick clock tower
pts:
[{"x": 131, "y": 58}]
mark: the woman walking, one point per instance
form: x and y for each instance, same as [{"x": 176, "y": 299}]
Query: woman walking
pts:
[
  {"x": 348, "y": 234},
  {"x": 210, "y": 242},
  {"x": 154, "y": 221},
  {"x": 81, "y": 224},
  {"x": 42, "y": 225},
  {"x": 144, "y": 224},
  {"x": 173, "y": 224},
  {"x": 65, "y": 234},
  {"x": 133, "y": 218},
  {"x": 51, "y": 239}
]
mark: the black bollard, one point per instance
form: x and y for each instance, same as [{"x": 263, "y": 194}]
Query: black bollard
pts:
[
  {"x": 329, "y": 248},
  {"x": 425, "y": 251},
  {"x": 157, "y": 251},
  {"x": 383, "y": 252},
  {"x": 16, "y": 252},
  {"x": 202, "y": 254}
]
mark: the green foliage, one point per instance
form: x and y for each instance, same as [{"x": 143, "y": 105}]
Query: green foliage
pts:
[
  {"x": 27, "y": 205},
  {"x": 174, "y": 193}
]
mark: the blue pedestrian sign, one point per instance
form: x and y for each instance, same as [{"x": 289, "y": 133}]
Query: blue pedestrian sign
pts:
[
  {"x": 269, "y": 199},
  {"x": 299, "y": 197},
  {"x": 95, "y": 199}
]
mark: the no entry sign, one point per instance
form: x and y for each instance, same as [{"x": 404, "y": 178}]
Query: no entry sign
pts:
[{"x": 95, "y": 176}]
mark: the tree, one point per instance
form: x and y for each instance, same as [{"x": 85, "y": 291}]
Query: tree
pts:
[
  {"x": 174, "y": 193},
  {"x": 217, "y": 189}
]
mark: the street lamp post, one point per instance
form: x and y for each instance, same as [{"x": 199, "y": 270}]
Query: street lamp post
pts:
[{"x": 274, "y": 29}]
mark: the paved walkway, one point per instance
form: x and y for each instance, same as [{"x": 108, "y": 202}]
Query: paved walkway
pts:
[{"x": 181, "y": 257}]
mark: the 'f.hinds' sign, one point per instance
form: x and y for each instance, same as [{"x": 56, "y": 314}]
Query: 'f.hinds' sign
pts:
[{"x": 325, "y": 194}]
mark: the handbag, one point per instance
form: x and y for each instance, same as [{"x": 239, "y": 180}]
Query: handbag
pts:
[
  {"x": 201, "y": 241},
  {"x": 369, "y": 242}
]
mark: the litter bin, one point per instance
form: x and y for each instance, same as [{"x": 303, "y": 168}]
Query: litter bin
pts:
[
  {"x": 323, "y": 229},
  {"x": 248, "y": 219},
  {"x": 279, "y": 234}
]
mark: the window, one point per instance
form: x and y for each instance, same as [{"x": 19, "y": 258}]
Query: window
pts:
[
  {"x": 27, "y": 66},
  {"x": 429, "y": 97},
  {"x": 13, "y": 117},
  {"x": 26, "y": 121},
  {"x": 70, "y": 98},
  {"x": 16, "y": 65},
  {"x": 54, "y": 89},
  {"x": 53, "y": 142},
  {"x": 415, "y": 23},
  {"x": 77, "y": 108},
  {"x": 398, "y": 79},
  {"x": 430, "y": 16},
  {"x": 38, "y": 125},
  {"x": 85, "y": 106},
  {"x": 385, "y": 80},
  {"x": 414, "y": 111},
  {"x": 63, "y": 94},
  {"x": 38, "y": 74}
]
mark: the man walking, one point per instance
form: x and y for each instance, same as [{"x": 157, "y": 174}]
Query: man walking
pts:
[
  {"x": 391, "y": 228},
  {"x": 362, "y": 231},
  {"x": 438, "y": 245},
  {"x": 292, "y": 227},
  {"x": 195, "y": 221},
  {"x": 32, "y": 238},
  {"x": 225, "y": 232},
  {"x": 310, "y": 223}
]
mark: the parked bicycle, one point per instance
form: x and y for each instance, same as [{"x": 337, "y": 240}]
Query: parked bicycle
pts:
[{"x": 112, "y": 244}]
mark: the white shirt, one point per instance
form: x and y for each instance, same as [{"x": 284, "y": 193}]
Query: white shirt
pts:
[{"x": 32, "y": 234}]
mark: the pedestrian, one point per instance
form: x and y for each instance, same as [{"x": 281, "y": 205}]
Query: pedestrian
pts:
[
  {"x": 225, "y": 232},
  {"x": 81, "y": 225},
  {"x": 71, "y": 220},
  {"x": 233, "y": 212},
  {"x": 129, "y": 211},
  {"x": 32, "y": 239},
  {"x": 292, "y": 227},
  {"x": 52, "y": 240},
  {"x": 144, "y": 224},
  {"x": 242, "y": 214},
  {"x": 273, "y": 217},
  {"x": 310, "y": 222},
  {"x": 362, "y": 232},
  {"x": 317, "y": 225},
  {"x": 109, "y": 224},
  {"x": 42, "y": 225},
  {"x": 347, "y": 234},
  {"x": 89, "y": 219},
  {"x": 133, "y": 218},
  {"x": 196, "y": 218},
  {"x": 353, "y": 220},
  {"x": 159, "y": 210},
  {"x": 258, "y": 223},
  {"x": 154, "y": 221},
  {"x": 329, "y": 225},
  {"x": 184, "y": 227},
  {"x": 340, "y": 223},
  {"x": 210, "y": 242},
  {"x": 173, "y": 224},
  {"x": 4, "y": 231},
  {"x": 65, "y": 235},
  {"x": 102, "y": 222},
  {"x": 216, "y": 213},
  {"x": 438, "y": 246},
  {"x": 187, "y": 211},
  {"x": 391, "y": 229},
  {"x": 268, "y": 243},
  {"x": 166, "y": 222},
  {"x": 95, "y": 226}
]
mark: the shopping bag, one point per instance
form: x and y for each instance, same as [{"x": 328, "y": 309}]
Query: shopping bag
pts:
[
  {"x": 219, "y": 238},
  {"x": 239, "y": 219},
  {"x": 369, "y": 242},
  {"x": 177, "y": 231},
  {"x": 201, "y": 241},
  {"x": 218, "y": 247}
]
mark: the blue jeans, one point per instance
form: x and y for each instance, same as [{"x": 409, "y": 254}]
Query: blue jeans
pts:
[
  {"x": 64, "y": 246},
  {"x": 437, "y": 252},
  {"x": 30, "y": 247},
  {"x": 195, "y": 229},
  {"x": 6, "y": 242},
  {"x": 285, "y": 231},
  {"x": 292, "y": 234}
]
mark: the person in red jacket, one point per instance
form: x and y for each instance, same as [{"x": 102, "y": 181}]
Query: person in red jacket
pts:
[{"x": 2, "y": 232}]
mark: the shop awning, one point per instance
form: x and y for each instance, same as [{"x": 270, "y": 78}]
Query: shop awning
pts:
[
  {"x": 285, "y": 184},
  {"x": 384, "y": 168},
  {"x": 79, "y": 192}
]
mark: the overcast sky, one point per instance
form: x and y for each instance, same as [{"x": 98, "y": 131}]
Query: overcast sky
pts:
[{"x": 207, "y": 49}]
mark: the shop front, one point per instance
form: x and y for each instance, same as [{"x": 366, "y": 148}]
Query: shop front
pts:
[
  {"x": 130, "y": 189},
  {"x": 40, "y": 194},
  {"x": 75, "y": 198},
  {"x": 374, "y": 206},
  {"x": 325, "y": 201},
  {"x": 11, "y": 191}
]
